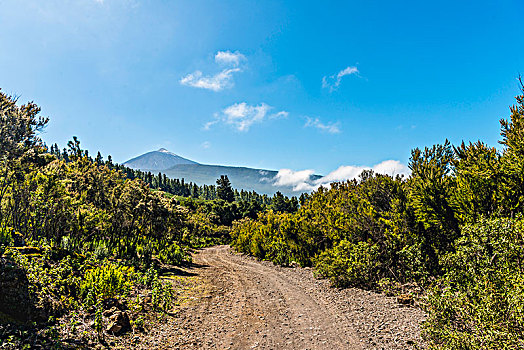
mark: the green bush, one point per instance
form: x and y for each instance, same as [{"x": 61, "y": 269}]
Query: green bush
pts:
[
  {"x": 479, "y": 302},
  {"x": 6, "y": 237},
  {"x": 106, "y": 281},
  {"x": 51, "y": 286},
  {"x": 173, "y": 254},
  {"x": 349, "y": 264},
  {"x": 276, "y": 237}
]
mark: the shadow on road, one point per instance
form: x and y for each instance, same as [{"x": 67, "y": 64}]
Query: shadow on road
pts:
[{"x": 188, "y": 270}]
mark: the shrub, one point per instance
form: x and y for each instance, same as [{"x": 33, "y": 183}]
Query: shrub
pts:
[
  {"x": 51, "y": 286},
  {"x": 479, "y": 303},
  {"x": 349, "y": 264},
  {"x": 6, "y": 237},
  {"x": 106, "y": 281},
  {"x": 173, "y": 254}
]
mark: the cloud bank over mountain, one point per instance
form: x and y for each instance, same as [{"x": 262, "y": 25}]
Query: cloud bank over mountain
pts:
[{"x": 303, "y": 180}]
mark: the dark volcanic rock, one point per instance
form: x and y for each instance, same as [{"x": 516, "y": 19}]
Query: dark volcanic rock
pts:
[
  {"x": 15, "y": 302},
  {"x": 118, "y": 323}
]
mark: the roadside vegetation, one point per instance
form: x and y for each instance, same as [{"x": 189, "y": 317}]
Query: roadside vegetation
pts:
[
  {"x": 84, "y": 242},
  {"x": 452, "y": 233}
]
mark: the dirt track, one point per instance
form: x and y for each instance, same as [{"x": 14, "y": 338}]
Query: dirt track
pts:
[{"x": 256, "y": 305}]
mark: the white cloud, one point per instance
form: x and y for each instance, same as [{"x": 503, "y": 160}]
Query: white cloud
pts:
[
  {"x": 303, "y": 181},
  {"x": 220, "y": 80},
  {"x": 206, "y": 144},
  {"x": 333, "y": 81},
  {"x": 342, "y": 173},
  {"x": 281, "y": 114},
  {"x": 242, "y": 116},
  {"x": 229, "y": 58},
  {"x": 391, "y": 167},
  {"x": 217, "y": 82},
  {"x": 209, "y": 124},
  {"x": 288, "y": 177},
  {"x": 332, "y": 128}
]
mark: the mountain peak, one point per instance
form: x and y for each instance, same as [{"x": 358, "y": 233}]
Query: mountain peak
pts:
[{"x": 157, "y": 160}]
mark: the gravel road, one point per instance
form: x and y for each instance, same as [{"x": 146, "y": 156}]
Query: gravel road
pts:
[{"x": 255, "y": 305}]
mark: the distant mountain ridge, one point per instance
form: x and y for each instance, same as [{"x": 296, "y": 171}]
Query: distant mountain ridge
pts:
[{"x": 176, "y": 167}]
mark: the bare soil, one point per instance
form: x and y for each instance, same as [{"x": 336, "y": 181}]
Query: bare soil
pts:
[{"x": 236, "y": 302}]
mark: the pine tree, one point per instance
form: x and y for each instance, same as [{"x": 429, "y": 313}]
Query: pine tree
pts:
[
  {"x": 224, "y": 189},
  {"x": 99, "y": 160}
]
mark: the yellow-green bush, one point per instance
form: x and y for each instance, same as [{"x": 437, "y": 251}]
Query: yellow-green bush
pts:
[
  {"x": 349, "y": 264},
  {"x": 106, "y": 281},
  {"x": 173, "y": 254}
]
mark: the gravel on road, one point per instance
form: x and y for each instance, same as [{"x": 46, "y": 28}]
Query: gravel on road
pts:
[{"x": 243, "y": 303}]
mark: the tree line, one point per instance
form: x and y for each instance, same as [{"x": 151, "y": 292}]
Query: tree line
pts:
[{"x": 179, "y": 187}]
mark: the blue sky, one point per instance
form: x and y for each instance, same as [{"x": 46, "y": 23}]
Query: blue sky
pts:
[{"x": 306, "y": 85}]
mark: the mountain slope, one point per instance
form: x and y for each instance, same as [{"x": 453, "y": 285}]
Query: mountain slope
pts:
[
  {"x": 248, "y": 179},
  {"x": 176, "y": 167}
]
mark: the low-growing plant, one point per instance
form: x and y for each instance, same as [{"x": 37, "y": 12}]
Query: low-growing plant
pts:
[
  {"x": 106, "y": 281},
  {"x": 98, "y": 320},
  {"x": 101, "y": 252},
  {"x": 162, "y": 295}
]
